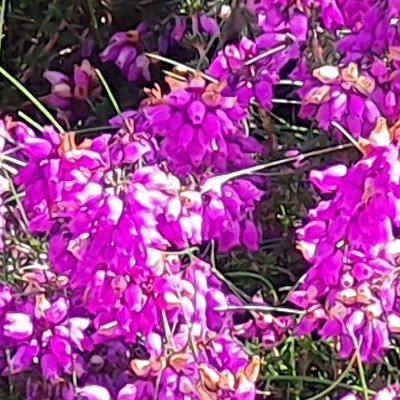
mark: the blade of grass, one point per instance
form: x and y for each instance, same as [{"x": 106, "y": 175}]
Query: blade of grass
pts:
[
  {"x": 19, "y": 86},
  {"x": 364, "y": 385},
  {"x": 335, "y": 384},
  {"x": 109, "y": 92},
  {"x": 30, "y": 121}
]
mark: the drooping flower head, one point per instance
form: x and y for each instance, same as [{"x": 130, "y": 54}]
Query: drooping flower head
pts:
[
  {"x": 200, "y": 129},
  {"x": 125, "y": 50},
  {"x": 343, "y": 95},
  {"x": 70, "y": 95},
  {"x": 246, "y": 80}
]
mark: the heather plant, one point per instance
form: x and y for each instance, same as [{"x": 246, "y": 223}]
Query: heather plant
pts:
[{"x": 199, "y": 200}]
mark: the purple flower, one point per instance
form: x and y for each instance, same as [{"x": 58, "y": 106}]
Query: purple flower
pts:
[
  {"x": 373, "y": 37},
  {"x": 349, "y": 293},
  {"x": 200, "y": 128},
  {"x": 280, "y": 24},
  {"x": 342, "y": 95},
  {"x": 389, "y": 393},
  {"x": 124, "y": 50}
]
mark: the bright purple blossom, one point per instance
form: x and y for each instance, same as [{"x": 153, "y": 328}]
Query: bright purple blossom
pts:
[
  {"x": 389, "y": 393},
  {"x": 349, "y": 293},
  {"x": 255, "y": 80},
  {"x": 374, "y": 34}
]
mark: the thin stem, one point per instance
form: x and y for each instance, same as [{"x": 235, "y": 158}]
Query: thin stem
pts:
[
  {"x": 12, "y": 160},
  {"x": 8, "y": 168},
  {"x": 2, "y": 18},
  {"x": 259, "y": 308},
  {"x": 189, "y": 250},
  {"x": 292, "y": 352},
  {"x": 347, "y": 134},
  {"x": 96, "y": 129},
  {"x": 173, "y": 75},
  {"x": 25, "y": 221},
  {"x": 253, "y": 275},
  {"x": 19, "y": 86},
  {"x": 218, "y": 180},
  {"x": 207, "y": 49},
  {"x": 232, "y": 287},
  {"x": 110, "y": 95},
  {"x": 357, "y": 345},
  {"x": 178, "y": 64},
  {"x": 265, "y": 54},
  {"x": 10, "y": 373},
  {"x": 289, "y": 82},
  {"x": 338, "y": 380},
  {"x": 30, "y": 121}
]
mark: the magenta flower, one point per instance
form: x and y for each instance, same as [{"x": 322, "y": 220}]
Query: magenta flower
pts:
[
  {"x": 341, "y": 95},
  {"x": 255, "y": 80},
  {"x": 349, "y": 293},
  {"x": 389, "y": 393},
  {"x": 387, "y": 90},
  {"x": 228, "y": 217},
  {"x": 201, "y": 128}
]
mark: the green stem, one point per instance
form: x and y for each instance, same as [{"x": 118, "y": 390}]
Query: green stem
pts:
[
  {"x": 19, "y": 86},
  {"x": 357, "y": 345},
  {"x": 321, "y": 381},
  {"x": 30, "y": 121},
  {"x": 110, "y": 95},
  {"x": 216, "y": 181},
  {"x": 253, "y": 275},
  {"x": 2, "y": 18}
]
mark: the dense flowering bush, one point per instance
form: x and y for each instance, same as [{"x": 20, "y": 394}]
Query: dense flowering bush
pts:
[
  {"x": 350, "y": 292},
  {"x": 110, "y": 284}
]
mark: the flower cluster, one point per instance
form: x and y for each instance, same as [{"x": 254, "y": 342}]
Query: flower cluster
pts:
[
  {"x": 246, "y": 79},
  {"x": 124, "y": 49},
  {"x": 341, "y": 95},
  {"x": 114, "y": 222},
  {"x": 128, "y": 303},
  {"x": 200, "y": 129},
  {"x": 281, "y": 23},
  {"x": 72, "y": 96},
  {"x": 374, "y": 31},
  {"x": 350, "y": 292}
]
